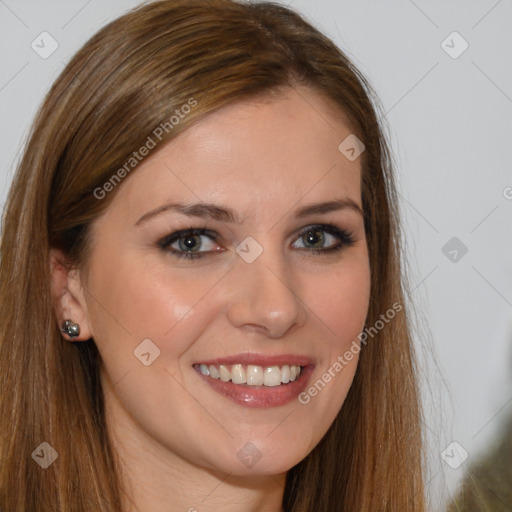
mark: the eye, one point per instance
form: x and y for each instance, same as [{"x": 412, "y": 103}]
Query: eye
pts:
[
  {"x": 323, "y": 238},
  {"x": 191, "y": 243},
  {"x": 199, "y": 242}
]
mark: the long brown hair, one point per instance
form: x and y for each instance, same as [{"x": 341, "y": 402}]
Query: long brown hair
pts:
[{"x": 126, "y": 81}]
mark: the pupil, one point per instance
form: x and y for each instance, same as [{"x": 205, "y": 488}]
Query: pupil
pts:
[
  {"x": 189, "y": 243},
  {"x": 314, "y": 237}
]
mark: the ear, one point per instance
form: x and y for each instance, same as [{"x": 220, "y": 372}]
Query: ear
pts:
[{"x": 68, "y": 295}]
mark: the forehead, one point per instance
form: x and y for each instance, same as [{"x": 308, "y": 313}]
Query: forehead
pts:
[{"x": 252, "y": 154}]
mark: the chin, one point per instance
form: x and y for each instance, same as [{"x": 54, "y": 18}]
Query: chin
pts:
[{"x": 260, "y": 458}]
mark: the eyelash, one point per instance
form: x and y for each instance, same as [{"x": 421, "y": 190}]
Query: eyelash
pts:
[{"x": 345, "y": 240}]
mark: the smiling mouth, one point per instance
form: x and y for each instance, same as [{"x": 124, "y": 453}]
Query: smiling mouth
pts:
[
  {"x": 257, "y": 380},
  {"x": 251, "y": 375}
]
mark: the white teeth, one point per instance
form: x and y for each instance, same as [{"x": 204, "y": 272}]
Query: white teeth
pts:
[
  {"x": 214, "y": 372},
  {"x": 225, "y": 374},
  {"x": 272, "y": 376},
  {"x": 252, "y": 375},
  {"x": 238, "y": 374},
  {"x": 285, "y": 374}
]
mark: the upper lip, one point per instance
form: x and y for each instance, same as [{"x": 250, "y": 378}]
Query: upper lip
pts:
[{"x": 261, "y": 360}]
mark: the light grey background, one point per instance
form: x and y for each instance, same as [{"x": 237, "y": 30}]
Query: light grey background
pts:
[{"x": 450, "y": 125}]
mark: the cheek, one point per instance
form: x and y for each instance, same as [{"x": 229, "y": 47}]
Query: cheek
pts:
[
  {"x": 340, "y": 300},
  {"x": 135, "y": 300},
  {"x": 154, "y": 303}
]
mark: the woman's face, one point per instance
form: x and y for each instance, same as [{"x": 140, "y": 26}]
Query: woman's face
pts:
[{"x": 270, "y": 272}]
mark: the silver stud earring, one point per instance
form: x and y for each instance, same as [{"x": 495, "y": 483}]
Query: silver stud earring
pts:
[{"x": 70, "y": 328}]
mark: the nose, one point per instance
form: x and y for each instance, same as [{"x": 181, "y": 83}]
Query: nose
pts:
[{"x": 265, "y": 297}]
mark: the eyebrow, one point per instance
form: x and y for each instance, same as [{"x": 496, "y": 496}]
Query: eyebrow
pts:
[{"x": 223, "y": 214}]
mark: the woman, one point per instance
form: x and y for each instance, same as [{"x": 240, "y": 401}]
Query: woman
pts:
[{"x": 200, "y": 278}]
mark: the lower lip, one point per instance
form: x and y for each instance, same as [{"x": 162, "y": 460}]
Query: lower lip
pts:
[{"x": 261, "y": 396}]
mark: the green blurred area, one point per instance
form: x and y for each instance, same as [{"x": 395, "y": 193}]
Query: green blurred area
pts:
[{"x": 487, "y": 487}]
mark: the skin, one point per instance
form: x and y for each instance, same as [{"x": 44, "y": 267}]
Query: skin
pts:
[{"x": 177, "y": 438}]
